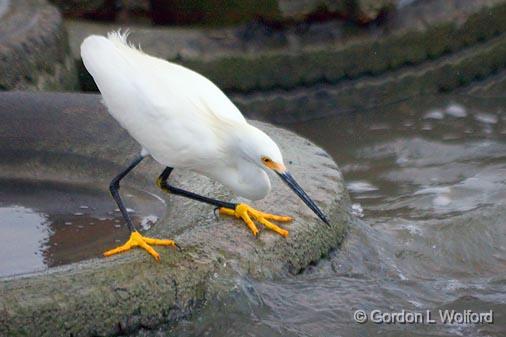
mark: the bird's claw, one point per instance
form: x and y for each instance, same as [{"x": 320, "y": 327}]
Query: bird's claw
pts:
[
  {"x": 215, "y": 210},
  {"x": 245, "y": 212},
  {"x": 137, "y": 240}
]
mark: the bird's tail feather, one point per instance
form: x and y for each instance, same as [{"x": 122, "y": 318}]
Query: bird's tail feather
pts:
[
  {"x": 103, "y": 60},
  {"x": 120, "y": 72}
]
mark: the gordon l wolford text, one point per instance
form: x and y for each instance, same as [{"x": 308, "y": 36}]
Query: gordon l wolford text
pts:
[{"x": 446, "y": 316}]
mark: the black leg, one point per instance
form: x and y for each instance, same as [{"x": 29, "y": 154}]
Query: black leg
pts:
[
  {"x": 166, "y": 187},
  {"x": 114, "y": 188}
]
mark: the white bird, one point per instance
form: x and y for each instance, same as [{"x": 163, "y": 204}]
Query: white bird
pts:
[{"x": 183, "y": 120}]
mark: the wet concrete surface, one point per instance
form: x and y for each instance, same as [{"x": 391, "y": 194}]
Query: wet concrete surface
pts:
[
  {"x": 71, "y": 139},
  {"x": 46, "y": 225}
]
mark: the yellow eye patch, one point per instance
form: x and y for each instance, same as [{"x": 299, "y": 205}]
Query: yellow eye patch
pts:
[{"x": 268, "y": 162}]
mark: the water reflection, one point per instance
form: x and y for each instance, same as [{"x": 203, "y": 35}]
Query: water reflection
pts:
[
  {"x": 24, "y": 231},
  {"x": 48, "y": 224}
]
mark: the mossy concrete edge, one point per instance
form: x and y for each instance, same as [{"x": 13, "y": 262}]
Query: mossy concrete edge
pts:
[
  {"x": 455, "y": 72},
  {"x": 121, "y": 294},
  {"x": 286, "y": 60}
]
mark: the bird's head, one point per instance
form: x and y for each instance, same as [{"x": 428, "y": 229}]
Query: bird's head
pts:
[
  {"x": 259, "y": 148},
  {"x": 262, "y": 150}
]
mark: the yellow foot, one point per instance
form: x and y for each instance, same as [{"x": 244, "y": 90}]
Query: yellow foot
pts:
[
  {"x": 245, "y": 212},
  {"x": 137, "y": 240}
]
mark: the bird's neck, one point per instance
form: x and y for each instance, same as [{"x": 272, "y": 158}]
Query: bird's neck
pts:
[{"x": 240, "y": 141}]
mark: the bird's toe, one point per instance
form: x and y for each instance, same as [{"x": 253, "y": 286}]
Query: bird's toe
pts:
[
  {"x": 137, "y": 240},
  {"x": 273, "y": 227}
]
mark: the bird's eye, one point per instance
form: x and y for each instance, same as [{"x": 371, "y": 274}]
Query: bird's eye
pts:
[{"x": 266, "y": 160}]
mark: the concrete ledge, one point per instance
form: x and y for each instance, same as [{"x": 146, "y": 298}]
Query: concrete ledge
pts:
[
  {"x": 435, "y": 46},
  {"x": 260, "y": 59},
  {"x": 34, "y": 52},
  {"x": 219, "y": 13},
  {"x": 454, "y": 72},
  {"x": 350, "y": 60},
  {"x": 119, "y": 295}
]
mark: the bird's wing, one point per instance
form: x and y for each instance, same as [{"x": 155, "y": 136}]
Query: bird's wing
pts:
[
  {"x": 159, "y": 81},
  {"x": 177, "y": 115}
]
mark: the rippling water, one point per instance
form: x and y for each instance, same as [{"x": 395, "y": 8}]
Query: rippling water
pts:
[{"x": 428, "y": 185}]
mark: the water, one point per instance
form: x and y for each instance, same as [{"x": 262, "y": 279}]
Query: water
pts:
[
  {"x": 47, "y": 224},
  {"x": 428, "y": 184}
]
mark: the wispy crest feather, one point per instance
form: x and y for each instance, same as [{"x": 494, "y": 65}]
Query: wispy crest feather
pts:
[{"x": 120, "y": 37}]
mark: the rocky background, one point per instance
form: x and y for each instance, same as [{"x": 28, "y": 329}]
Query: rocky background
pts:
[
  {"x": 279, "y": 60},
  {"x": 224, "y": 12}
]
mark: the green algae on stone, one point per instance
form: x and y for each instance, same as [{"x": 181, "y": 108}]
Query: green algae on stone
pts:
[
  {"x": 355, "y": 59},
  {"x": 337, "y": 60},
  {"x": 446, "y": 74},
  {"x": 121, "y": 294}
]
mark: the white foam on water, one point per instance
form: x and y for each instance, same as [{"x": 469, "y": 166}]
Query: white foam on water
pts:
[
  {"x": 357, "y": 210},
  {"x": 486, "y": 118},
  {"x": 456, "y": 110},
  {"x": 437, "y": 190},
  {"x": 360, "y": 186},
  {"x": 434, "y": 114},
  {"x": 441, "y": 200}
]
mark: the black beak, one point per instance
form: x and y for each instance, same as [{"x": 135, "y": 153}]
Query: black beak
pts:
[{"x": 290, "y": 181}]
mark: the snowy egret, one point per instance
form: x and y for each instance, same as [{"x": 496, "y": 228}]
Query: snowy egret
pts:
[{"x": 183, "y": 120}]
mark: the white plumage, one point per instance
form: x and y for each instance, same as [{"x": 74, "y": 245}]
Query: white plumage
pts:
[{"x": 178, "y": 116}]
